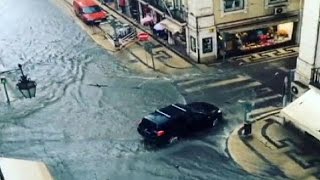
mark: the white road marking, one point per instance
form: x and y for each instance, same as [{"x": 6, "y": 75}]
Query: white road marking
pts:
[
  {"x": 265, "y": 90},
  {"x": 218, "y": 83},
  {"x": 184, "y": 83},
  {"x": 262, "y": 110},
  {"x": 266, "y": 98},
  {"x": 283, "y": 69},
  {"x": 247, "y": 86}
]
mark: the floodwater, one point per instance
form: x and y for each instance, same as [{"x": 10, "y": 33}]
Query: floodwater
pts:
[{"x": 84, "y": 131}]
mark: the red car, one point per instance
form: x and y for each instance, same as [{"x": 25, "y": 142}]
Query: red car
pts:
[{"x": 89, "y": 11}]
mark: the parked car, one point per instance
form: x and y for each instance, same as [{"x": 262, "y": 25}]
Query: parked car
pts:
[
  {"x": 89, "y": 11},
  {"x": 168, "y": 124}
]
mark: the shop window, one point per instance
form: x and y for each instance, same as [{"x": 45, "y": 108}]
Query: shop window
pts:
[
  {"x": 207, "y": 45},
  {"x": 193, "y": 44},
  {"x": 233, "y": 5},
  {"x": 263, "y": 37},
  {"x": 276, "y": 1}
]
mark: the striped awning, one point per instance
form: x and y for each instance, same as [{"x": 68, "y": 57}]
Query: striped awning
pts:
[{"x": 171, "y": 26}]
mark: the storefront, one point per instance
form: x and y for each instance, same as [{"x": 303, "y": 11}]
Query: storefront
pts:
[
  {"x": 149, "y": 14},
  {"x": 248, "y": 39},
  {"x": 173, "y": 31}
]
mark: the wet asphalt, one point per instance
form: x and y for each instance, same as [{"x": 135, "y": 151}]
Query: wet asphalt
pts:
[{"x": 84, "y": 131}]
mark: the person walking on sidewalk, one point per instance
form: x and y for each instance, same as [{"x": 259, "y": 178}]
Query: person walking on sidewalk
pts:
[{"x": 123, "y": 6}]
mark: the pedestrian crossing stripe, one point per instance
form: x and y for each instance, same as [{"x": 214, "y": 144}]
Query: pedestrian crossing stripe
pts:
[
  {"x": 193, "y": 81},
  {"x": 247, "y": 86},
  {"x": 284, "y": 69},
  {"x": 263, "y": 110},
  {"x": 265, "y": 90},
  {"x": 266, "y": 98},
  {"x": 239, "y": 78}
]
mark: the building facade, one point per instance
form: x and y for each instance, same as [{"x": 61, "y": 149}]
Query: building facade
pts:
[
  {"x": 212, "y": 29},
  {"x": 309, "y": 53},
  {"x": 234, "y": 27},
  {"x": 304, "y": 112}
]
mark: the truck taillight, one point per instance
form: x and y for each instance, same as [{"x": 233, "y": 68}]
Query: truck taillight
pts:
[{"x": 160, "y": 133}]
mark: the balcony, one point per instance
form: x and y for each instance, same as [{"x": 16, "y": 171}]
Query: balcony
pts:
[
  {"x": 176, "y": 12},
  {"x": 315, "y": 78}
]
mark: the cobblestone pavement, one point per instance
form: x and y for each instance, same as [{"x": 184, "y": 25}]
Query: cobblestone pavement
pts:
[
  {"x": 270, "y": 55},
  {"x": 273, "y": 145}
]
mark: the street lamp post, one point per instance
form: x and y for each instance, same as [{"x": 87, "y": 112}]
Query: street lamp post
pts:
[
  {"x": 4, "y": 82},
  {"x": 26, "y": 86}
]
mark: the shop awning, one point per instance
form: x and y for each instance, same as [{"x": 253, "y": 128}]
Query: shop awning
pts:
[
  {"x": 243, "y": 26},
  {"x": 304, "y": 112},
  {"x": 171, "y": 26}
]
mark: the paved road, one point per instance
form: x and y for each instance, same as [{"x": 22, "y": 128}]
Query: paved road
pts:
[
  {"x": 85, "y": 131},
  {"x": 227, "y": 84}
]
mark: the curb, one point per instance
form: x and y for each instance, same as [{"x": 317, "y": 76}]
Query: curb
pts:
[
  {"x": 266, "y": 60},
  {"x": 258, "y": 154},
  {"x": 266, "y": 114},
  {"x": 144, "y": 63},
  {"x": 288, "y": 46},
  {"x": 232, "y": 60},
  {"x": 266, "y": 162},
  {"x": 91, "y": 34},
  {"x": 186, "y": 58},
  {"x": 261, "y": 117}
]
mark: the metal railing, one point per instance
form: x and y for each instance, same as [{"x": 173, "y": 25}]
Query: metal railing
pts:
[
  {"x": 315, "y": 77},
  {"x": 177, "y": 14}
]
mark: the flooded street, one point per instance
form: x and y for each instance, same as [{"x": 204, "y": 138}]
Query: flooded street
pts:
[{"x": 83, "y": 131}]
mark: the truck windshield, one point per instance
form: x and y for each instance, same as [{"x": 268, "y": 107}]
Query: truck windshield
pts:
[{"x": 91, "y": 9}]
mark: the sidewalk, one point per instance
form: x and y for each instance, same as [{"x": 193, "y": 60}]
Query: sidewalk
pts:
[
  {"x": 149, "y": 31},
  {"x": 263, "y": 56},
  {"x": 166, "y": 59},
  {"x": 134, "y": 56},
  {"x": 275, "y": 149}
]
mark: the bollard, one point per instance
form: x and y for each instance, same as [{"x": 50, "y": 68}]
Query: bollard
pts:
[
  {"x": 247, "y": 123},
  {"x": 247, "y": 129}
]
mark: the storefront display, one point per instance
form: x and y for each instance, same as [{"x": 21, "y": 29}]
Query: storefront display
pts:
[{"x": 260, "y": 38}]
